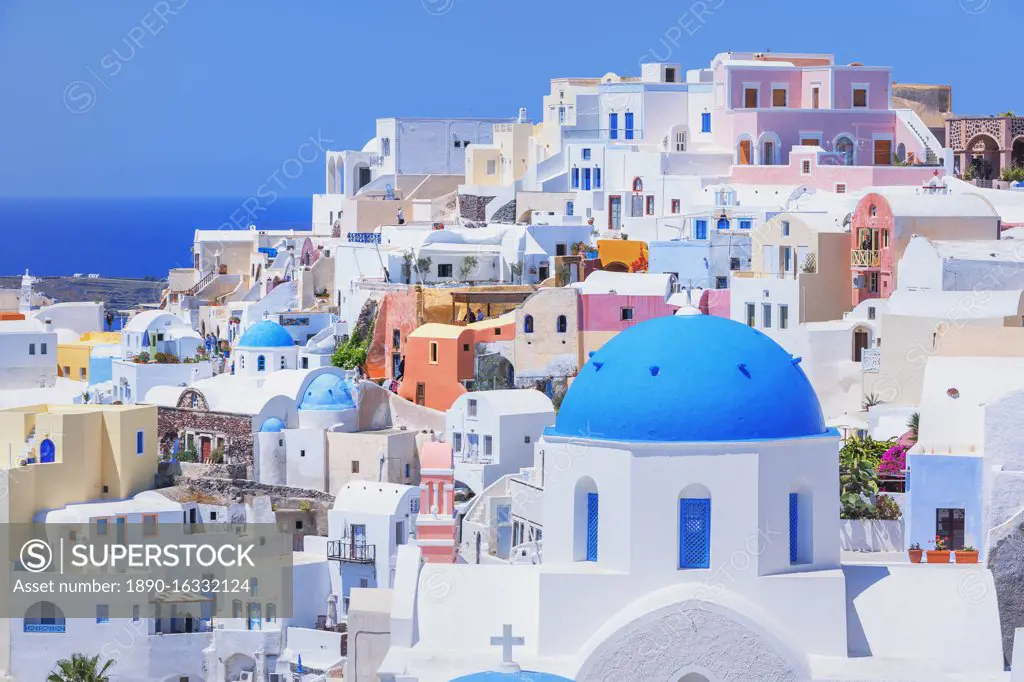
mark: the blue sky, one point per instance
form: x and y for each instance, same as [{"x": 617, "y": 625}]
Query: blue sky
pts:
[{"x": 211, "y": 97}]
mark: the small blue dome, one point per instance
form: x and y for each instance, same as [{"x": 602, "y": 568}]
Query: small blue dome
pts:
[
  {"x": 272, "y": 425},
  {"x": 690, "y": 379},
  {"x": 265, "y": 334},
  {"x": 522, "y": 676},
  {"x": 327, "y": 392}
]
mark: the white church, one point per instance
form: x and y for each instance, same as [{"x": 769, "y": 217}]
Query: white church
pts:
[{"x": 691, "y": 535}]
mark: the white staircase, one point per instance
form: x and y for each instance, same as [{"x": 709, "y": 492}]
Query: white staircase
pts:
[{"x": 927, "y": 140}]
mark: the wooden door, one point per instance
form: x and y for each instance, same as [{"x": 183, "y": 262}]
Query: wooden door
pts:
[
  {"x": 745, "y": 153},
  {"x": 883, "y": 152},
  {"x": 421, "y": 394},
  {"x": 614, "y": 212},
  {"x": 860, "y": 342},
  {"x": 750, "y": 98},
  {"x": 206, "y": 450},
  {"x": 815, "y": 98}
]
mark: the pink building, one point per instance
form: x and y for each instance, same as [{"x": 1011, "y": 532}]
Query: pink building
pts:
[
  {"x": 613, "y": 301},
  {"x": 803, "y": 119},
  {"x": 435, "y": 523}
]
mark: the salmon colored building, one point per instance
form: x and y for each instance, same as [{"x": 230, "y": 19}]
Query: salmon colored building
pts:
[
  {"x": 435, "y": 523},
  {"x": 438, "y": 358}
]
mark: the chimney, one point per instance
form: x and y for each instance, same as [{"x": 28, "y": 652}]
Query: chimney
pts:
[
  {"x": 48, "y": 325},
  {"x": 522, "y": 114}
]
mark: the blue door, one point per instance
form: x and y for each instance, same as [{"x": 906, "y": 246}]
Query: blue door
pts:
[
  {"x": 504, "y": 531},
  {"x": 586, "y": 178},
  {"x": 694, "y": 533},
  {"x": 705, "y": 122},
  {"x": 629, "y": 126},
  {"x": 569, "y": 207},
  {"x": 613, "y": 126},
  {"x": 700, "y": 229},
  {"x": 47, "y": 452},
  {"x": 592, "y": 526}
]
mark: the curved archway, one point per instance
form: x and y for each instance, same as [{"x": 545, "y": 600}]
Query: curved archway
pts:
[
  {"x": 982, "y": 155},
  {"x": 238, "y": 664},
  {"x": 685, "y": 641},
  {"x": 44, "y": 616},
  {"x": 47, "y": 451},
  {"x": 1017, "y": 152},
  {"x": 744, "y": 154},
  {"x": 769, "y": 149},
  {"x": 638, "y": 185},
  {"x": 901, "y": 152},
  {"x": 845, "y": 149},
  {"x": 616, "y": 266},
  {"x": 528, "y": 324},
  {"x": 586, "y": 529}
]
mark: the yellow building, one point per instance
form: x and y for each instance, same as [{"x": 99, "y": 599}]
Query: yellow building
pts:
[
  {"x": 52, "y": 456},
  {"x": 622, "y": 255},
  {"x": 73, "y": 358},
  {"x": 503, "y": 162}
]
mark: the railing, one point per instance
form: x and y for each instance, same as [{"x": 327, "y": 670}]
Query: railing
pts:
[
  {"x": 364, "y": 237},
  {"x": 340, "y": 550},
  {"x": 206, "y": 279},
  {"x": 625, "y": 134},
  {"x": 45, "y": 628},
  {"x": 865, "y": 259},
  {"x": 321, "y": 624}
]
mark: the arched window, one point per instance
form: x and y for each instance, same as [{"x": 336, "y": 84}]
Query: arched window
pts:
[
  {"x": 638, "y": 185},
  {"x": 844, "y": 150},
  {"x": 47, "y": 452},
  {"x": 562, "y": 324},
  {"x": 44, "y": 616},
  {"x": 723, "y": 223},
  {"x": 695, "y": 527},
  {"x": 874, "y": 210},
  {"x": 261, "y": 363},
  {"x": 586, "y": 526},
  {"x": 528, "y": 324}
]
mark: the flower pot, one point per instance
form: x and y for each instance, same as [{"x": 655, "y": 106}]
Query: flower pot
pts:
[
  {"x": 936, "y": 556},
  {"x": 915, "y": 555},
  {"x": 964, "y": 557}
]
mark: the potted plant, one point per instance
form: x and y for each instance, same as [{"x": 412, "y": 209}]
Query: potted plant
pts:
[
  {"x": 939, "y": 555},
  {"x": 967, "y": 555},
  {"x": 915, "y": 553}
]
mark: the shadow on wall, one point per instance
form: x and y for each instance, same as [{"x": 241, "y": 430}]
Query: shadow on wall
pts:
[{"x": 858, "y": 580}]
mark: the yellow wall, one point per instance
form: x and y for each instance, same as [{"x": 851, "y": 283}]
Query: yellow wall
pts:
[
  {"x": 476, "y": 165},
  {"x": 73, "y": 358},
  {"x": 95, "y": 446},
  {"x": 626, "y": 251}
]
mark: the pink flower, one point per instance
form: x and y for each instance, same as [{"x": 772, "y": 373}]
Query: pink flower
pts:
[{"x": 894, "y": 460}]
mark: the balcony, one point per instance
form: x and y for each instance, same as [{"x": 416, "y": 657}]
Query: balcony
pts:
[
  {"x": 865, "y": 259},
  {"x": 350, "y": 552}
]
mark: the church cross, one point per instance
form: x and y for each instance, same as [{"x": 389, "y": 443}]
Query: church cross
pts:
[{"x": 506, "y": 642}]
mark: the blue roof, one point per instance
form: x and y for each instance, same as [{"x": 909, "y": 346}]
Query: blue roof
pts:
[
  {"x": 522, "y": 676},
  {"x": 327, "y": 392},
  {"x": 265, "y": 334},
  {"x": 272, "y": 425},
  {"x": 690, "y": 379}
]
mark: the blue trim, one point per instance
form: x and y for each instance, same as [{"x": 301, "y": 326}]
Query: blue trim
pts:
[
  {"x": 597, "y": 177},
  {"x": 586, "y": 178},
  {"x": 592, "y": 526},
  {"x": 694, "y": 533},
  {"x": 629, "y": 125},
  {"x": 575, "y": 182},
  {"x": 613, "y": 126}
]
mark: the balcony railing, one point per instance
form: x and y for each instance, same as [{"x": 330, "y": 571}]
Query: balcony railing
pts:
[
  {"x": 624, "y": 134},
  {"x": 865, "y": 259},
  {"x": 46, "y": 628},
  {"x": 350, "y": 552}
]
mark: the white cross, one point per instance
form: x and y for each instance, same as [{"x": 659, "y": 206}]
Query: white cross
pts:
[{"x": 506, "y": 642}]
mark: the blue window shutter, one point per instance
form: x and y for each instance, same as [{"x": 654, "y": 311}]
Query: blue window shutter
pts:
[
  {"x": 705, "y": 122},
  {"x": 613, "y": 126},
  {"x": 586, "y": 178},
  {"x": 139, "y": 438},
  {"x": 597, "y": 177},
  {"x": 569, "y": 207},
  {"x": 694, "y": 533},
  {"x": 586, "y": 154},
  {"x": 794, "y": 526},
  {"x": 746, "y": 224},
  {"x": 701, "y": 229},
  {"x": 629, "y": 125},
  {"x": 575, "y": 178},
  {"x": 723, "y": 224},
  {"x": 591, "y": 526}
]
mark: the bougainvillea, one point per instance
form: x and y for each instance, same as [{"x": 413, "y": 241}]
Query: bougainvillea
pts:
[{"x": 894, "y": 460}]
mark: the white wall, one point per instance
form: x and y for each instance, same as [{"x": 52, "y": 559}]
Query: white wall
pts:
[
  {"x": 23, "y": 362},
  {"x": 138, "y": 379}
]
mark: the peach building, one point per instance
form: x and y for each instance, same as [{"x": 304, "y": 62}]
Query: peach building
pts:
[
  {"x": 438, "y": 358},
  {"x": 435, "y": 523}
]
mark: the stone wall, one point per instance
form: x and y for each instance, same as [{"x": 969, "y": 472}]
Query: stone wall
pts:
[
  {"x": 474, "y": 207},
  {"x": 1006, "y": 561},
  {"x": 235, "y": 429},
  {"x": 506, "y": 214},
  {"x": 192, "y": 470}
]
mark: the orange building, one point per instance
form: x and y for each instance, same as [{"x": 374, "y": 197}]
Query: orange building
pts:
[
  {"x": 438, "y": 358},
  {"x": 622, "y": 255}
]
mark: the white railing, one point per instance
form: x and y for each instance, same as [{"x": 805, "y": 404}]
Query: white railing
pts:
[{"x": 925, "y": 136}]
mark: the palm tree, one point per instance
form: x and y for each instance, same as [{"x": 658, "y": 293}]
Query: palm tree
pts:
[
  {"x": 80, "y": 668},
  {"x": 913, "y": 424}
]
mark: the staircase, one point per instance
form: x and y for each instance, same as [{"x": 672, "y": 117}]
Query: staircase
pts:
[
  {"x": 920, "y": 130},
  {"x": 30, "y": 443},
  {"x": 206, "y": 279}
]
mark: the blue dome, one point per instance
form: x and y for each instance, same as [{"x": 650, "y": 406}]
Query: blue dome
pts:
[
  {"x": 523, "y": 676},
  {"x": 327, "y": 392},
  {"x": 272, "y": 425},
  {"x": 690, "y": 379},
  {"x": 265, "y": 334}
]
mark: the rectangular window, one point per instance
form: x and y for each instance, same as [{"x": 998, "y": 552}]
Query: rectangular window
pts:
[
  {"x": 840, "y": 188},
  {"x": 471, "y": 407},
  {"x": 81, "y": 372},
  {"x": 586, "y": 179},
  {"x": 613, "y": 126},
  {"x": 488, "y": 445},
  {"x": 785, "y": 228},
  {"x": 408, "y": 470},
  {"x": 694, "y": 533},
  {"x": 597, "y": 177},
  {"x": 871, "y": 312},
  {"x": 873, "y": 282},
  {"x": 626, "y": 314},
  {"x": 433, "y": 352},
  {"x": 705, "y": 122},
  {"x": 560, "y": 249},
  {"x": 950, "y": 525},
  {"x": 444, "y": 270},
  {"x": 794, "y": 526},
  {"x": 675, "y": 205},
  {"x": 149, "y": 526},
  {"x": 135, "y": 613},
  {"x": 860, "y": 98},
  {"x": 586, "y": 154},
  {"x": 414, "y": 505},
  {"x": 815, "y": 97},
  {"x": 592, "y": 526},
  {"x": 102, "y": 613},
  {"x": 570, "y": 207},
  {"x": 575, "y": 178},
  {"x": 42, "y": 349},
  {"x": 751, "y": 310},
  {"x": 31, "y": 349},
  {"x": 526, "y": 439},
  {"x": 650, "y": 204},
  {"x": 140, "y": 441},
  {"x": 783, "y": 316},
  {"x": 780, "y": 97},
  {"x": 400, "y": 533},
  {"x": 681, "y": 141},
  {"x": 746, "y": 223},
  {"x": 670, "y": 75},
  {"x": 561, "y": 115},
  {"x": 492, "y": 167},
  {"x": 750, "y": 98},
  {"x": 766, "y": 315},
  {"x": 805, "y": 167},
  {"x": 721, "y": 282},
  {"x": 629, "y": 125},
  {"x": 457, "y": 442},
  {"x": 700, "y": 228},
  {"x": 355, "y": 466},
  {"x": 734, "y": 264},
  {"x": 396, "y": 339}
]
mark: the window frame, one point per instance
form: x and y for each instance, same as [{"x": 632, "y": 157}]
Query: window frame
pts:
[
  {"x": 626, "y": 314},
  {"x": 854, "y": 88}
]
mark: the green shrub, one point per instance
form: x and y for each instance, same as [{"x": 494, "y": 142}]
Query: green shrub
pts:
[{"x": 886, "y": 509}]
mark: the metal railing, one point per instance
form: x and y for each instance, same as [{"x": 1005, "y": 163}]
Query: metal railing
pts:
[
  {"x": 614, "y": 134},
  {"x": 341, "y": 550},
  {"x": 865, "y": 259},
  {"x": 47, "y": 628}
]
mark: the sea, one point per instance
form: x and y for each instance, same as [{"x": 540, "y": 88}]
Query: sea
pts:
[{"x": 126, "y": 237}]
